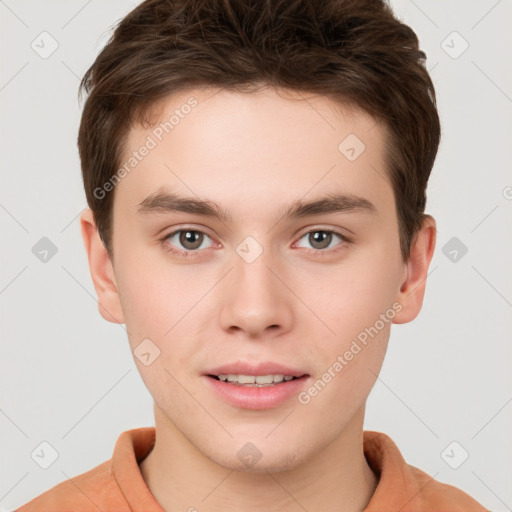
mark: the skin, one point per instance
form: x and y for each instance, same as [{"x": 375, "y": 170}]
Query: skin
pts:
[{"x": 254, "y": 154}]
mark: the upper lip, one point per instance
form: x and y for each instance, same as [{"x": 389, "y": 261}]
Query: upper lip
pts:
[{"x": 261, "y": 368}]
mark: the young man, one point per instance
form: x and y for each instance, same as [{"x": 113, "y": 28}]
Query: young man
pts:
[{"x": 256, "y": 176}]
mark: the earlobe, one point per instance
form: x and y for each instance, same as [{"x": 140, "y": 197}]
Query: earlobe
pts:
[
  {"x": 412, "y": 290},
  {"x": 102, "y": 272}
]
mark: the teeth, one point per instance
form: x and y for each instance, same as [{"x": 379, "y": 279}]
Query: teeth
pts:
[
  {"x": 245, "y": 379},
  {"x": 258, "y": 380},
  {"x": 264, "y": 379}
]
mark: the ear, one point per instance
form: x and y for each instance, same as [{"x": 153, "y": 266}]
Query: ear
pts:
[
  {"x": 102, "y": 271},
  {"x": 412, "y": 290}
]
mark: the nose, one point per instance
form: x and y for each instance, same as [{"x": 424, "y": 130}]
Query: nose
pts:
[{"x": 256, "y": 301}]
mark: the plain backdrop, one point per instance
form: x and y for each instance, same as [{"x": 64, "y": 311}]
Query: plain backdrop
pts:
[{"x": 68, "y": 377}]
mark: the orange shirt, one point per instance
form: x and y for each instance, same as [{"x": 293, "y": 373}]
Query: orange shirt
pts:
[{"x": 117, "y": 484}]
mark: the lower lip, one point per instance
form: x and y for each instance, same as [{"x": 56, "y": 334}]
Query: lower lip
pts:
[{"x": 265, "y": 397}]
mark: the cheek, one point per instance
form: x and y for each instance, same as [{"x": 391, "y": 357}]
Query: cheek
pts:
[
  {"x": 153, "y": 298},
  {"x": 351, "y": 296},
  {"x": 356, "y": 303},
  {"x": 162, "y": 304},
  {"x": 346, "y": 376}
]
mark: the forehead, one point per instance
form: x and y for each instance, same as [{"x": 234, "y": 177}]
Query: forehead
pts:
[
  {"x": 268, "y": 144},
  {"x": 267, "y": 111}
]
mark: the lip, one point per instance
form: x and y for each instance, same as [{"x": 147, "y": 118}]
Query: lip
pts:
[
  {"x": 259, "y": 398},
  {"x": 256, "y": 398},
  {"x": 254, "y": 369}
]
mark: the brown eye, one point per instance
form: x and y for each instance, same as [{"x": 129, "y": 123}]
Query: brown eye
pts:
[
  {"x": 191, "y": 239},
  {"x": 320, "y": 239},
  {"x": 186, "y": 240}
]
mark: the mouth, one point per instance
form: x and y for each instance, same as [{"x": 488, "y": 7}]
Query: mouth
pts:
[
  {"x": 255, "y": 385},
  {"x": 256, "y": 381}
]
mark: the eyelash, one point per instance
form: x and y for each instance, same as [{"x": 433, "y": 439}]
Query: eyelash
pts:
[{"x": 315, "y": 252}]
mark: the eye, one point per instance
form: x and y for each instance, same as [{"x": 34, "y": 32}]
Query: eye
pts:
[
  {"x": 186, "y": 241},
  {"x": 189, "y": 239},
  {"x": 321, "y": 239}
]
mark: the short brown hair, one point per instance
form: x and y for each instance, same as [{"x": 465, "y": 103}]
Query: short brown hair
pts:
[{"x": 351, "y": 51}]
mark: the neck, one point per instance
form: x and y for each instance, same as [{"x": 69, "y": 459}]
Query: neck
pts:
[{"x": 182, "y": 478}]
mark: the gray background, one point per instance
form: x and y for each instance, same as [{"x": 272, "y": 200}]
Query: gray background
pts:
[{"x": 67, "y": 376}]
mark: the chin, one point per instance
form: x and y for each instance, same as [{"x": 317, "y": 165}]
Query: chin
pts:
[{"x": 250, "y": 459}]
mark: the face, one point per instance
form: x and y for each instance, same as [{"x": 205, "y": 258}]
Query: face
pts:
[{"x": 250, "y": 280}]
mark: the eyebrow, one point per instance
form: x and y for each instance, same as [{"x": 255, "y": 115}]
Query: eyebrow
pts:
[{"x": 163, "y": 201}]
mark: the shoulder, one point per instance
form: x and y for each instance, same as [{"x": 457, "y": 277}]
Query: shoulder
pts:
[
  {"x": 404, "y": 487},
  {"x": 444, "y": 497},
  {"x": 87, "y": 492}
]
